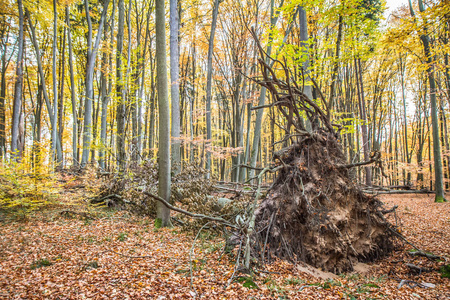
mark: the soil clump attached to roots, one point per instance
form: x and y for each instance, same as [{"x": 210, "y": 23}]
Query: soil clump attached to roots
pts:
[{"x": 315, "y": 213}]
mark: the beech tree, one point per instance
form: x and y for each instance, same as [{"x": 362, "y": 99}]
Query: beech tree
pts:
[
  {"x": 91, "y": 58},
  {"x": 163, "y": 213},
  {"x": 16, "y": 144},
  {"x": 439, "y": 185},
  {"x": 382, "y": 86}
]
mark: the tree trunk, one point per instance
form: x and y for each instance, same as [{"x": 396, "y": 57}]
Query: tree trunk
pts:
[
  {"x": 4, "y": 68},
  {"x": 106, "y": 94},
  {"x": 363, "y": 116},
  {"x": 209, "y": 87},
  {"x": 91, "y": 57},
  {"x": 163, "y": 213},
  {"x": 56, "y": 158},
  {"x": 121, "y": 111},
  {"x": 175, "y": 85},
  {"x": 262, "y": 98},
  {"x": 439, "y": 184},
  {"x": 41, "y": 74},
  {"x": 72, "y": 93},
  {"x": 16, "y": 152},
  {"x": 335, "y": 67}
]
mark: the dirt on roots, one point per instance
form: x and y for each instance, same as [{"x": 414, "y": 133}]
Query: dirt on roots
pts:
[{"x": 315, "y": 213}]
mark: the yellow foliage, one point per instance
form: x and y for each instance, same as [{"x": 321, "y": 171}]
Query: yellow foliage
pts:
[{"x": 25, "y": 187}]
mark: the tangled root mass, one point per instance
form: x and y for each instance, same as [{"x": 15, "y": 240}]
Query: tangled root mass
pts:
[{"x": 315, "y": 213}]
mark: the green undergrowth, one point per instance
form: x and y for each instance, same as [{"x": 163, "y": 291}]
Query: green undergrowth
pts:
[{"x": 445, "y": 271}]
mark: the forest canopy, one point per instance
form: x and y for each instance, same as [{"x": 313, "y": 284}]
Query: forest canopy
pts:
[{"x": 100, "y": 83}]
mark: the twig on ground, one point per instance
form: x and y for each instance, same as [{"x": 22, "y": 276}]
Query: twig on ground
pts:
[{"x": 418, "y": 269}]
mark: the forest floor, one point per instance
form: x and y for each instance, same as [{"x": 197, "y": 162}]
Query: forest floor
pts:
[{"x": 118, "y": 256}]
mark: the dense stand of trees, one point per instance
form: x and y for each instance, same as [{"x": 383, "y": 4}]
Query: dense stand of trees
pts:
[{"x": 96, "y": 86}]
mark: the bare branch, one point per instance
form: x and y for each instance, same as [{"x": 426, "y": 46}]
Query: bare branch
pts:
[{"x": 198, "y": 216}]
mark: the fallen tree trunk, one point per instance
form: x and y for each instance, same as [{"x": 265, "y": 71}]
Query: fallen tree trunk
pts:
[{"x": 378, "y": 192}]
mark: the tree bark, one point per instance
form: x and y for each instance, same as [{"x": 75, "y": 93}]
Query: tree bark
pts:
[
  {"x": 41, "y": 74},
  {"x": 106, "y": 93},
  {"x": 363, "y": 116},
  {"x": 56, "y": 158},
  {"x": 16, "y": 152},
  {"x": 5, "y": 63},
  {"x": 163, "y": 212},
  {"x": 91, "y": 57},
  {"x": 72, "y": 93},
  {"x": 120, "y": 115},
  {"x": 209, "y": 88},
  {"x": 438, "y": 181},
  {"x": 174, "y": 84}
]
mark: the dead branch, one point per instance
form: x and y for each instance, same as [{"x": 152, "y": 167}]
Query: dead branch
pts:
[
  {"x": 193, "y": 215},
  {"x": 375, "y": 157},
  {"x": 418, "y": 269},
  {"x": 378, "y": 192},
  {"x": 427, "y": 255}
]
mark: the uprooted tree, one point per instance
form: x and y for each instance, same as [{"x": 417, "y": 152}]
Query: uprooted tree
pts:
[{"x": 314, "y": 212}]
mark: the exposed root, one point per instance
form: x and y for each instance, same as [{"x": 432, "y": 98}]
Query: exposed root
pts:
[{"x": 316, "y": 214}]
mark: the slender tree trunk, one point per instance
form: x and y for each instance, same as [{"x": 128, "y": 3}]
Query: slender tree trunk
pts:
[
  {"x": 174, "y": 84},
  {"x": 405, "y": 123},
  {"x": 4, "y": 68},
  {"x": 163, "y": 213},
  {"x": 335, "y": 67},
  {"x": 191, "y": 110},
  {"x": 56, "y": 158},
  {"x": 262, "y": 99},
  {"x": 209, "y": 87},
  {"x": 106, "y": 94},
  {"x": 41, "y": 74},
  {"x": 72, "y": 93},
  {"x": 439, "y": 184},
  {"x": 121, "y": 111},
  {"x": 141, "y": 88},
  {"x": 363, "y": 115},
  {"x": 16, "y": 152},
  {"x": 89, "y": 81}
]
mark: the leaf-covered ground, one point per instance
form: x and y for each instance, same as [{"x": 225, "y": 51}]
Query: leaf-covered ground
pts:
[{"x": 120, "y": 257}]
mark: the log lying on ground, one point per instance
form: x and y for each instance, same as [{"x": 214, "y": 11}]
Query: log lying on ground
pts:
[{"x": 424, "y": 191}]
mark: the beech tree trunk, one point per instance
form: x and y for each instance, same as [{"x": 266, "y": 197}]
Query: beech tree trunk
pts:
[
  {"x": 72, "y": 93},
  {"x": 163, "y": 213},
  {"x": 4, "y": 68},
  {"x": 41, "y": 74},
  {"x": 209, "y": 87},
  {"x": 120, "y": 115},
  {"x": 56, "y": 158},
  {"x": 363, "y": 116},
  {"x": 438, "y": 180},
  {"x": 174, "y": 84},
  {"x": 16, "y": 151},
  {"x": 91, "y": 57}
]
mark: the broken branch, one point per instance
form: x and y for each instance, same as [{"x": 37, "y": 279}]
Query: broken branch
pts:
[{"x": 193, "y": 215}]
